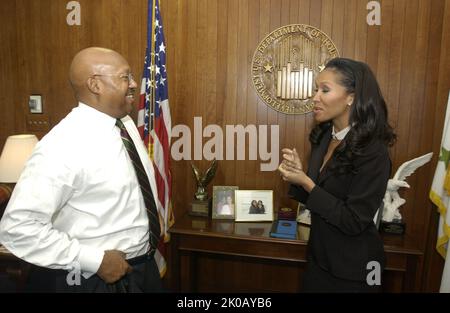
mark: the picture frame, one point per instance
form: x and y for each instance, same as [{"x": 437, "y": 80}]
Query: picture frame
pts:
[
  {"x": 254, "y": 205},
  {"x": 223, "y": 205}
]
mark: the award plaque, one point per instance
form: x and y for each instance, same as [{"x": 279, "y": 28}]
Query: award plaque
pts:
[{"x": 199, "y": 208}]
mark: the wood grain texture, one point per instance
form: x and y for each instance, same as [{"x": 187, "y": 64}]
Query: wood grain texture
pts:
[{"x": 210, "y": 45}]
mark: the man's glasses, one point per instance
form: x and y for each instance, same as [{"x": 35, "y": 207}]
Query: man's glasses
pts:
[{"x": 128, "y": 77}]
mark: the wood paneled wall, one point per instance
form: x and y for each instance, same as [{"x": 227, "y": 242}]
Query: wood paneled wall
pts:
[
  {"x": 210, "y": 44},
  {"x": 38, "y": 46}
]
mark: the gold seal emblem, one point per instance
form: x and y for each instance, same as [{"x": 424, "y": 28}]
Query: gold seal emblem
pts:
[{"x": 286, "y": 63}]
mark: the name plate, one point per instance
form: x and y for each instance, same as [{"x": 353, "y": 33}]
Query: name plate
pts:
[{"x": 199, "y": 208}]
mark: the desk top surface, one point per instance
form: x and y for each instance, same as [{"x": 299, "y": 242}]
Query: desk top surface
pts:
[{"x": 260, "y": 231}]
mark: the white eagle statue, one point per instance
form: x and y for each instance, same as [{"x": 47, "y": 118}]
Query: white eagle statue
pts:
[{"x": 392, "y": 200}]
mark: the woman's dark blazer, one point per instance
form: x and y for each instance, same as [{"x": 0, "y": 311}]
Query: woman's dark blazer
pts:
[{"x": 343, "y": 237}]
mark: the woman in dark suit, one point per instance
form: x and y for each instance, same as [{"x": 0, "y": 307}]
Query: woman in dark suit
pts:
[{"x": 346, "y": 179}]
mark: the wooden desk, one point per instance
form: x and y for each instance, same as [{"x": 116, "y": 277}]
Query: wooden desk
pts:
[{"x": 224, "y": 256}]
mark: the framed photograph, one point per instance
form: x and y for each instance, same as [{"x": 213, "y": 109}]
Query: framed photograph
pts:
[
  {"x": 254, "y": 205},
  {"x": 223, "y": 205}
]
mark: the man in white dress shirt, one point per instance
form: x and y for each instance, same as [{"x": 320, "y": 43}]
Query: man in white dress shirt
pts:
[{"x": 78, "y": 206}]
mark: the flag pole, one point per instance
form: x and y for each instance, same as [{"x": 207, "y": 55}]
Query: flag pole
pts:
[{"x": 152, "y": 80}]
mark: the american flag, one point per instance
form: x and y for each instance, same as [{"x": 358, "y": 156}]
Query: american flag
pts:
[{"x": 154, "y": 122}]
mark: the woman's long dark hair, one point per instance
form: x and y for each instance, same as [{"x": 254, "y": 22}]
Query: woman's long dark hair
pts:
[{"x": 368, "y": 112}]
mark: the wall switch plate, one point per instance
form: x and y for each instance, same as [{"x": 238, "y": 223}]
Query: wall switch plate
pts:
[{"x": 35, "y": 104}]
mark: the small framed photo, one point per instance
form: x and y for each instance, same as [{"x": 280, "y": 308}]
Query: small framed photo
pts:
[
  {"x": 35, "y": 104},
  {"x": 223, "y": 206},
  {"x": 254, "y": 205}
]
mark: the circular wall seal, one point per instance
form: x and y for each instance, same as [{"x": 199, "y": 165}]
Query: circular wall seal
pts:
[{"x": 286, "y": 63}]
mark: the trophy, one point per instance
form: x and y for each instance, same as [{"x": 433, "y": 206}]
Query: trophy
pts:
[
  {"x": 200, "y": 204},
  {"x": 391, "y": 221}
]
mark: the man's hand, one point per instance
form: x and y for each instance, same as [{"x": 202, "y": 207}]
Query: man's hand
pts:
[{"x": 114, "y": 266}]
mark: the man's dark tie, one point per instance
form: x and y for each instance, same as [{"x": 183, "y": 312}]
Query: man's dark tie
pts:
[{"x": 146, "y": 190}]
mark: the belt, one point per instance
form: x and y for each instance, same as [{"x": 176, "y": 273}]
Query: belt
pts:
[{"x": 142, "y": 258}]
